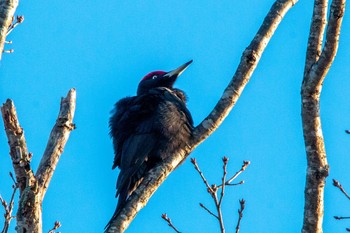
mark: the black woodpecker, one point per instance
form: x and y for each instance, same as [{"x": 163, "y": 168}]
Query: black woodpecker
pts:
[{"x": 148, "y": 128}]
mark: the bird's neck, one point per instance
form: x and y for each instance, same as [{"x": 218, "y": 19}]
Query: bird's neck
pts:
[{"x": 177, "y": 92}]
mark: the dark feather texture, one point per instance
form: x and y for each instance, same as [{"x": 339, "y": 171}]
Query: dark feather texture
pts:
[{"x": 147, "y": 128}]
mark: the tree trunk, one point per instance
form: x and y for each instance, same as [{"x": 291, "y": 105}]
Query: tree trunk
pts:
[{"x": 317, "y": 64}]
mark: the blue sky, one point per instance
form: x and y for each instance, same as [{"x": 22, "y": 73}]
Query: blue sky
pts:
[{"x": 103, "y": 49}]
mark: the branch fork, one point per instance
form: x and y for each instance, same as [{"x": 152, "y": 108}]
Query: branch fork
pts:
[{"x": 33, "y": 187}]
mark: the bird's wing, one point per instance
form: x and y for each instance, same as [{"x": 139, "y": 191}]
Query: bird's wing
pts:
[
  {"x": 135, "y": 153},
  {"x": 120, "y": 113}
]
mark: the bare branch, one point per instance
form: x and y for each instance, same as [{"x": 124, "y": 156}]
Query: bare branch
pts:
[
  {"x": 33, "y": 188},
  {"x": 240, "y": 214},
  {"x": 208, "y": 210},
  {"x": 57, "y": 140},
  {"x": 317, "y": 168},
  {"x": 7, "y": 11},
  {"x": 320, "y": 69},
  {"x": 9, "y": 207},
  {"x": 209, "y": 188},
  {"x": 318, "y": 24},
  {"x": 244, "y": 166},
  {"x": 18, "y": 147},
  {"x": 249, "y": 61},
  {"x": 213, "y": 189},
  {"x": 170, "y": 224},
  {"x": 340, "y": 187},
  {"x": 239, "y": 183}
]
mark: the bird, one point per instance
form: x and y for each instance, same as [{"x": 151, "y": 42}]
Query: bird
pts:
[{"x": 148, "y": 128}]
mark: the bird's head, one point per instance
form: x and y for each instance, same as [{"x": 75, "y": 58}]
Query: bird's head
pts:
[{"x": 160, "y": 79}]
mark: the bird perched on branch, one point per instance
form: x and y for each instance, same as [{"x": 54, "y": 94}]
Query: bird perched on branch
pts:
[{"x": 148, "y": 128}]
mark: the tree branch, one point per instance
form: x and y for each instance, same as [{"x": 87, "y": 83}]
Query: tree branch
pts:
[
  {"x": 317, "y": 27},
  {"x": 317, "y": 165},
  {"x": 7, "y": 11},
  {"x": 249, "y": 61},
  {"x": 320, "y": 68},
  {"x": 32, "y": 187},
  {"x": 57, "y": 140},
  {"x": 18, "y": 147}
]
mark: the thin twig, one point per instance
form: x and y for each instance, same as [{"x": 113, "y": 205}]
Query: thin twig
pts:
[
  {"x": 340, "y": 218},
  {"x": 8, "y": 51},
  {"x": 218, "y": 208},
  {"x": 213, "y": 192},
  {"x": 19, "y": 20},
  {"x": 225, "y": 161},
  {"x": 214, "y": 188},
  {"x": 209, "y": 188},
  {"x": 170, "y": 224},
  {"x": 234, "y": 184},
  {"x": 209, "y": 211},
  {"x": 338, "y": 185},
  {"x": 9, "y": 207},
  {"x": 55, "y": 227},
  {"x": 240, "y": 214},
  {"x": 244, "y": 166}
]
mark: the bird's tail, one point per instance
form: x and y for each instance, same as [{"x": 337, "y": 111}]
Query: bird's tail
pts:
[{"x": 121, "y": 201}]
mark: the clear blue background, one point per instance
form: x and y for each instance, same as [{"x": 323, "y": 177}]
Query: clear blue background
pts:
[{"x": 103, "y": 49}]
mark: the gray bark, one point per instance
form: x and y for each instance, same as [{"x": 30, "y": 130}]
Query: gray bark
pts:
[
  {"x": 33, "y": 187},
  {"x": 317, "y": 65}
]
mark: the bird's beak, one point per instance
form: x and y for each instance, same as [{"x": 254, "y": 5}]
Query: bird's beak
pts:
[{"x": 178, "y": 71}]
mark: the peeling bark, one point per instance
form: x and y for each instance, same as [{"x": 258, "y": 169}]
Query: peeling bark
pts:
[
  {"x": 249, "y": 61},
  {"x": 33, "y": 188}
]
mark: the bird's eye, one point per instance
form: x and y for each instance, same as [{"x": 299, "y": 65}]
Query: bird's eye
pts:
[{"x": 154, "y": 77}]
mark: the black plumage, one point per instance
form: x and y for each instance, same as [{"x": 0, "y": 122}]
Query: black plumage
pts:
[{"x": 147, "y": 128}]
